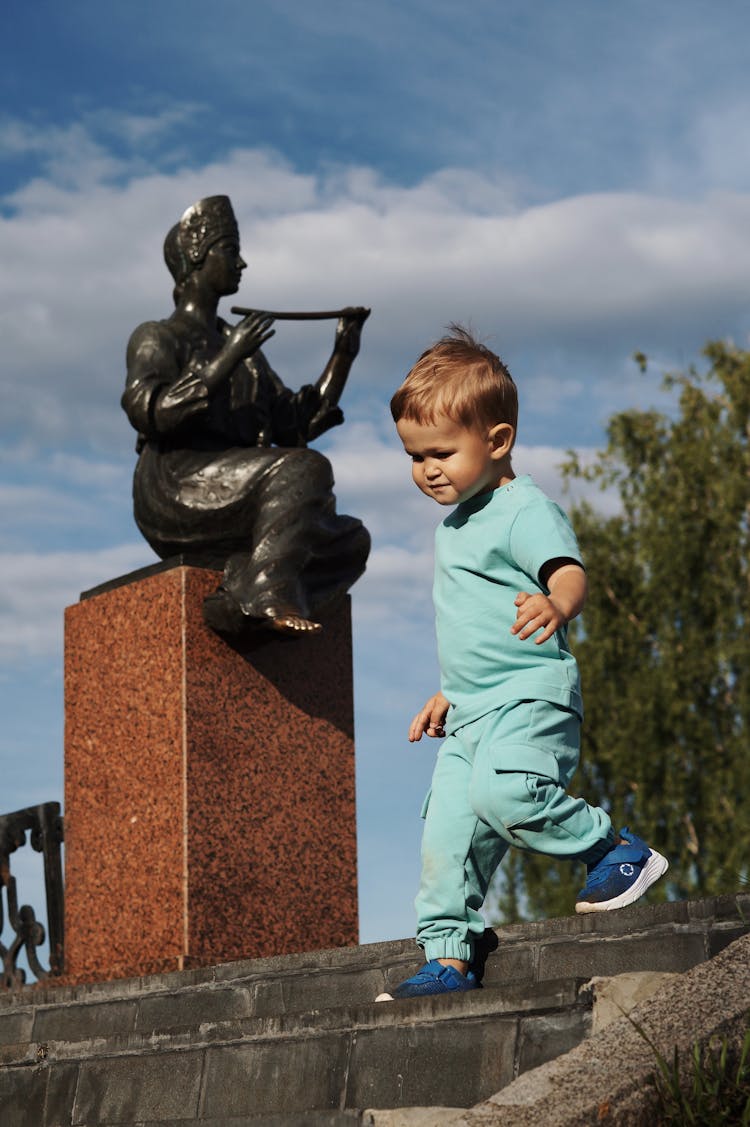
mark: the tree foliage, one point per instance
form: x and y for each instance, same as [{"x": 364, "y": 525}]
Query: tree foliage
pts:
[{"x": 663, "y": 642}]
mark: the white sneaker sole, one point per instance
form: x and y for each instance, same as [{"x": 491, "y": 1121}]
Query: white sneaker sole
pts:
[
  {"x": 654, "y": 868},
  {"x": 384, "y": 998}
]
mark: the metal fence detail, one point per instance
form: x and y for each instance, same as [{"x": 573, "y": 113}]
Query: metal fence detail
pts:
[{"x": 44, "y": 824}]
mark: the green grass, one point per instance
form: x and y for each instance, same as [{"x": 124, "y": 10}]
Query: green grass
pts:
[{"x": 710, "y": 1089}]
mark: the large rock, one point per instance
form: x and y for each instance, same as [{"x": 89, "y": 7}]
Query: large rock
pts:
[{"x": 606, "y": 1078}]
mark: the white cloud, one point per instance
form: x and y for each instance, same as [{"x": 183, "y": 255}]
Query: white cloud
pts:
[
  {"x": 37, "y": 587},
  {"x": 24, "y": 509},
  {"x": 82, "y": 267},
  {"x": 373, "y": 479},
  {"x": 396, "y": 590},
  {"x": 594, "y": 275},
  {"x": 373, "y": 482},
  {"x": 54, "y": 499}
]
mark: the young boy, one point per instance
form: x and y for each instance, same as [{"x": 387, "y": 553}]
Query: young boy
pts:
[{"x": 508, "y": 579}]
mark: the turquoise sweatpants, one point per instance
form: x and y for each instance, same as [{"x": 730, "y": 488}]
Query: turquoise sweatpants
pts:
[{"x": 499, "y": 781}]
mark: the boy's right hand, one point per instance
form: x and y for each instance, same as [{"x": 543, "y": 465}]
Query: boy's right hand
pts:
[{"x": 430, "y": 719}]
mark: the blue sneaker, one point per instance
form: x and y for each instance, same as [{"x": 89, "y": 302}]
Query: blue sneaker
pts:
[
  {"x": 432, "y": 978},
  {"x": 621, "y": 876}
]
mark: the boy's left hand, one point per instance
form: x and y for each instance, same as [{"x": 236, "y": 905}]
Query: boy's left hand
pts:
[{"x": 536, "y": 612}]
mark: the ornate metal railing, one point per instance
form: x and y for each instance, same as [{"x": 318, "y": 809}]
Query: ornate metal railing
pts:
[{"x": 44, "y": 824}]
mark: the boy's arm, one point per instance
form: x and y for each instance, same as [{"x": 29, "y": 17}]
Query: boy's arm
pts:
[
  {"x": 430, "y": 719},
  {"x": 567, "y": 585}
]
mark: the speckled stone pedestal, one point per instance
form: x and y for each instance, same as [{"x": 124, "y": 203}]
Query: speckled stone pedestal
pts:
[{"x": 209, "y": 788}]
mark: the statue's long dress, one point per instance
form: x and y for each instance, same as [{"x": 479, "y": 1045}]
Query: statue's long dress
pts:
[{"x": 230, "y": 482}]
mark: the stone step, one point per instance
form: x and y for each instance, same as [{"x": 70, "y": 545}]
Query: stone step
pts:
[
  {"x": 299, "y": 1035},
  {"x": 663, "y": 937},
  {"x": 446, "y": 1049}
]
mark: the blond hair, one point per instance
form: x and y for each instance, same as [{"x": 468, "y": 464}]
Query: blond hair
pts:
[{"x": 460, "y": 378}]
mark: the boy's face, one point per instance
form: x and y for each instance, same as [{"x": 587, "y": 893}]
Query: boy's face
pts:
[{"x": 451, "y": 462}]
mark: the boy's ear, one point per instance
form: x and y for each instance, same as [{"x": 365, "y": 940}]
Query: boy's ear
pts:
[{"x": 502, "y": 436}]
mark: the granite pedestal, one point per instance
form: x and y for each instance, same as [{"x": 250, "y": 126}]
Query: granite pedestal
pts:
[{"x": 209, "y": 787}]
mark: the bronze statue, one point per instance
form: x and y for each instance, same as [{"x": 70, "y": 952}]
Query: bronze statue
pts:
[{"x": 224, "y": 475}]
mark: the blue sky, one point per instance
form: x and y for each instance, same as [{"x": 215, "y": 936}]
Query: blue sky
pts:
[{"x": 571, "y": 179}]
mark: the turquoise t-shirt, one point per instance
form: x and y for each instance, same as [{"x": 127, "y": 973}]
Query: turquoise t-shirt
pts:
[{"x": 486, "y": 551}]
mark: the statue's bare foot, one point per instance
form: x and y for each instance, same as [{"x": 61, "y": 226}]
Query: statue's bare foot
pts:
[
  {"x": 225, "y": 615},
  {"x": 295, "y": 625}
]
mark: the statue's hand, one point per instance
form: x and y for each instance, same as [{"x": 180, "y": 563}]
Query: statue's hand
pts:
[
  {"x": 185, "y": 396},
  {"x": 187, "y": 389},
  {"x": 331, "y": 383},
  {"x": 248, "y": 335},
  {"x": 349, "y": 330}
]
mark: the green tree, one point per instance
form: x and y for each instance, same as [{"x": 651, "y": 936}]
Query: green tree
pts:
[{"x": 664, "y": 642}]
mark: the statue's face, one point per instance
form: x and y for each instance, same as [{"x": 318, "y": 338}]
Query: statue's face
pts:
[{"x": 222, "y": 267}]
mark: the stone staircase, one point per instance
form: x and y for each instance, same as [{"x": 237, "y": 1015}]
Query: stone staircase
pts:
[{"x": 297, "y": 1040}]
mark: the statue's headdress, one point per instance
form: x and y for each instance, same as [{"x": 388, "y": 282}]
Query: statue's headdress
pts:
[{"x": 202, "y": 225}]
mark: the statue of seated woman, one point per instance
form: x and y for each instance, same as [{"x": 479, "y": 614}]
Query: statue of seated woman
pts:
[{"x": 224, "y": 474}]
